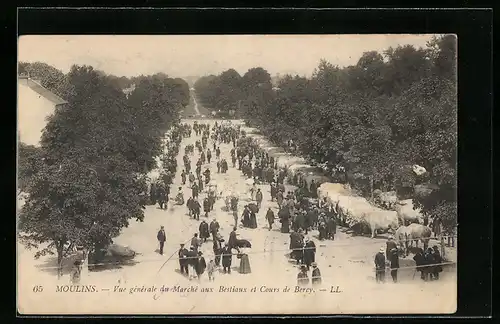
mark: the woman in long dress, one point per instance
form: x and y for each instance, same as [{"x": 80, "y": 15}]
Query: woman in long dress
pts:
[{"x": 244, "y": 262}]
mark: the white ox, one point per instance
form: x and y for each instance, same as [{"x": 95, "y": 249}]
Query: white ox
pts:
[
  {"x": 407, "y": 213},
  {"x": 357, "y": 210},
  {"x": 406, "y": 235}
]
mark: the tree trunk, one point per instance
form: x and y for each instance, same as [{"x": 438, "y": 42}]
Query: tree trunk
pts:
[{"x": 60, "y": 255}]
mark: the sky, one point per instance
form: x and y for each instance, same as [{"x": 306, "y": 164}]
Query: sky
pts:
[{"x": 198, "y": 55}]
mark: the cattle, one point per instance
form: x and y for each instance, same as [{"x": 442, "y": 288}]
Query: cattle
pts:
[
  {"x": 406, "y": 235},
  {"x": 407, "y": 214},
  {"x": 381, "y": 220},
  {"x": 385, "y": 199},
  {"x": 416, "y": 232}
]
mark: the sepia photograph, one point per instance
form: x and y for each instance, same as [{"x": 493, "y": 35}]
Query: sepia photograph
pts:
[{"x": 237, "y": 174}]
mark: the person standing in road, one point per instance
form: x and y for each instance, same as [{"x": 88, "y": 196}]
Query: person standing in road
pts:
[
  {"x": 227, "y": 256},
  {"x": 209, "y": 155},
  {"x": 380, "y": 266},
  {"x": 201, "y": 265},
  {"x": 316, "y": 274},
  {"x": 217, "y": 152},
  {"x": 270, "y": 218},
  {"x": 162, "y": 237},
  {"x": 195, "y": 242},
  {"x": 204, "y": 233},
  {"x": 183, "y": 177},
  {"x": 214, "y": 229},
  {"x": 183, "y": 262},
  {"x": 390, "y": 244},
  {"x": 394, "y": 259}
]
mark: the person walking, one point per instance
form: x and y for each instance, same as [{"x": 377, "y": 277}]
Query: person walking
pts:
[
  {"x": 183, "y": 262},
  {"x": 258, "y": 198},
  {"x": 270, "y": 218},
  {"x": 203, "y": 229},
  {"x": 195, "y": 242},
  {"x": 380, "y": 266},
  {"x": 162, "y": 237},
  {"x": 227, "y": 256},
  {"x": 201, "y": 265}
]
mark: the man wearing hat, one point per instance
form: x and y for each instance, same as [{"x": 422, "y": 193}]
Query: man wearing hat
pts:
[
  {"x": 302, "y": 277},
  {"x": 183, "y": 262},
  {"x": 309, "y": 252},
  {"x": 380, "y": 265},
  {"x": 227, "y": 258},
  {"x": 316, "y": 274},
  {"x": 394, "y": 259},
  {"x": 390, "y": 244},
  {"x": 201, "y": 265},
  {"x": 162, "y": 237}
]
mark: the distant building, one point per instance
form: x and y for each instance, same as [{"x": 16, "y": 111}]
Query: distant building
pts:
[{"x": 34, "y": 104}]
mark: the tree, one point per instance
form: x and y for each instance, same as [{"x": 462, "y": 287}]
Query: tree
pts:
[{"x": 74, "y": 202}]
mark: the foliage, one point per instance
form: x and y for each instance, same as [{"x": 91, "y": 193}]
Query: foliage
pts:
[
  {"x": 376, "y": 118},
  {"x": 88, "y": 178}
]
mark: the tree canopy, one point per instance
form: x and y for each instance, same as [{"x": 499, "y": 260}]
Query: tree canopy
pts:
[
  {"x": 376, "y": 118},
  {"x": 87, "y": 180}
]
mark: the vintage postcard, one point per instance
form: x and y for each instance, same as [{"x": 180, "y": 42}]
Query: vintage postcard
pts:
[{"x": 241, "y": 174}]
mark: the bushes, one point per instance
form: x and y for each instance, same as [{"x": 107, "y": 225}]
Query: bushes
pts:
[{"x": 97, "y": 151}]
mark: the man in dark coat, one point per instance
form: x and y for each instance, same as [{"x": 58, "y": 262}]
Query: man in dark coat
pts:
[
  {"x": 322, "y": 229},
  {"x": 152, "y": 194},
  {"x": 183, "y": 177},
  {"x": 428, "y": 262},
  {"x": 196, "y": 209},
  {"x": 209, "y": 155},
  {"x": 162, "y": 237},
  {"x": 274, "y": 191},
  {"x": 253, "y": 219},
  {"x": 206, "y": 206},
  {"x": 214, "y": 229},
  {"x": 227, "y": 258},
  {"x": 270, "y": 218},
  {"x": 390, "y": 244},
  {"x": 232, "y": 242},
  {"x": 160, "y": 194},
  {"x": 331, "y": 227},
  {"x": 189, "y": 205},
  {"x": 394, "y": 260},
  {"x": 201, "y": 265},
  {"x": 380, "y": 266},
  {"x": 316, "y": 274},
  {"x": 258, "y": 198},
  {"x": 420, "y": 262},
  {"x": 217, "y": 248},
  {"x": 284, "y": 216},
  {"x": 299, "y": 221},
  {"x": 195, "y": 242},
  {"x": 183, "y": 262},
  {"x": 309, "y": 252},
  {"x": 218, "y": 166},
  {"x": 194, "y": 190},
  {"x": 437, "y": 268},
  {"x": 217, "y": 152},
  {"x": 204, "y": 233},
  {"x": 245, "y": 218},
  {"x": 296, "y": 245}
]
